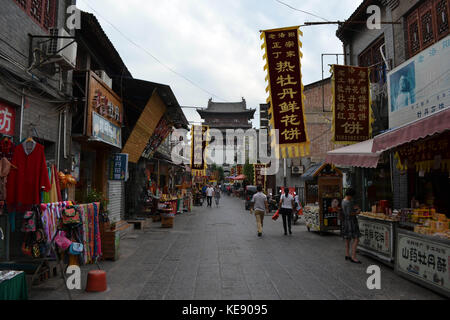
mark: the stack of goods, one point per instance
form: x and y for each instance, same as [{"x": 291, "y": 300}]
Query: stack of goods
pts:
[
  {"x": 379, "y": 216},
  {"x": 436, "y": 225}
]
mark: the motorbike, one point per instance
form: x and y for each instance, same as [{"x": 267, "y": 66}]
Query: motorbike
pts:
[{"x": 273, "y": 204}]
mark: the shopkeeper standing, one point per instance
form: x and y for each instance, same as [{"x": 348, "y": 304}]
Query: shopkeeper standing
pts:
[{"x": 350, "y": 228}]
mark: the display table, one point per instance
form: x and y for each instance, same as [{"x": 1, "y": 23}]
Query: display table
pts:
[
  {"x": 377, "y": 238},
  {"x": 424, "y": 259},
  {"x": 13, "y": 285}
]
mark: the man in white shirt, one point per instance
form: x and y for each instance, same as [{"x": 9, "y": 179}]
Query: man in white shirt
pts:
[
  {"x": 287, "y": 205},
  {"x": 209, "y": 195},
  {"x": 260, "y": 206}
]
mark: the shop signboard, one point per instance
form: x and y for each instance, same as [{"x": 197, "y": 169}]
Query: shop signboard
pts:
[
  {"x": 161, "y": 132},
  {"x": 282, "y": 55},
  {"x": 7, "y": 119},
  {"x": 104, "y": 113},
  {"x": 118, "y": 168},
  {"x": 377, "y": 237},
  {"x": 352, "y": 113},
  {"x": 420, "y": 86},
  {"x": 260, "y": 178},
  {"x": 198, "y": 149},
  {"x": 424, "y": 260},
  {"x": 106, "y": 131}
]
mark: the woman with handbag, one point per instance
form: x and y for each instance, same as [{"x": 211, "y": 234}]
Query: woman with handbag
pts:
[{"x": 287, "y": 205}]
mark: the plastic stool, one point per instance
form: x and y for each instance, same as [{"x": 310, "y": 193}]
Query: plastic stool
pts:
[{"x": 96, "y": 281}]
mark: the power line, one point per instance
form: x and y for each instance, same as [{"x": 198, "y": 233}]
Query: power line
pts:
[
  {"x": 151, "y": 55},
  {"x": 306, "y": 12}
]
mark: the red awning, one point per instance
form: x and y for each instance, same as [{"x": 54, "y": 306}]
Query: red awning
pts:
[
  {"x": 239, "y": 177},
  {"x": 356, "y": 155},
  {"x": 422, "y": 128}
]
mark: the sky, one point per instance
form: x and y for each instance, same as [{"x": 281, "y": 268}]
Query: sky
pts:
[{"x": 215, "y": 43}]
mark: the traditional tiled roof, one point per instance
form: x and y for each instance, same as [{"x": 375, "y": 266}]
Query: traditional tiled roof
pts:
[{"x": 226, "y": 107}]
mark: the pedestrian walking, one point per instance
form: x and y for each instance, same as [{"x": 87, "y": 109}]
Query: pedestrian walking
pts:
[
  {"x": 287, "y": 205},
  {"x": 209, "y": 195},
  {"x": 260, "y": 206},
  {"x": 217, "y": 195},
  {"x": 350, "y": 228}
]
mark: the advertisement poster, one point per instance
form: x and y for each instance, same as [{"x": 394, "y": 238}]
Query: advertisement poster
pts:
[
  {"x": 351, "y": 104},
  {"x": 118, "y": 169},
  {"x": 106, "y": 131},
  {"x": 424, "y": 260},
  {"x": 376, "y": 236},
  {"x": 282, "y": 54},
  {"x": 421, "y": 86}
]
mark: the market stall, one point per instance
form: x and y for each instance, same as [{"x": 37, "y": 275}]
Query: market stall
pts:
[{"x": 323, "y": 186}]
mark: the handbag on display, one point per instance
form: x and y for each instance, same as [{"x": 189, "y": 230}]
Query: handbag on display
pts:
[
  {"x": 76, "y": 248},
  {"x": 29, "y": 222},
  {"x": 62, "y": 241},
  {"x": 71, "y": 216}
]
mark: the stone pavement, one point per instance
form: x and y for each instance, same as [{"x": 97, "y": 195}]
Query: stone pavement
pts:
[{"x": 216, "y": 254}]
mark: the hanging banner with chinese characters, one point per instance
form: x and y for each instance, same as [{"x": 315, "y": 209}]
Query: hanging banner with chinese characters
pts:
[
  {"x": 286, "y": 99},
  {"x": 160, "y": 134},
  {"x": 260, "y": 178},
  {"x": 118, "y": 167},
  {"x": 352, "y": 112},
  {"x": 198, "y": 150},
  {"x": 239, "y": 169},
  {"x": 7, "y": 119},
  {"x": 426, "y": 154},
  {"x": 233, "y": 171}
]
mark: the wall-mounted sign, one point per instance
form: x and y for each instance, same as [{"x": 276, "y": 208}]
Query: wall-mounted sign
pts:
[
  {"x": 7, "y": 119},
  {"x": 118, "y": 167},
  {"x": 104, "y": 112},
  {"x": 105, "y": 131},
  {"x": 421, "y": 85},
  {"x": 352, "y": 113},
  {"x": 282, "y": 54}
]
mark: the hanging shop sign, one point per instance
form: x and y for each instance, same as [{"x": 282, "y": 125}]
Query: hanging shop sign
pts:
[
  {"x": 7, "y": 119},
  {"x": 104, "y": 112},
  {"x": 425, "y": 155},
  {"x": 282, "y": 55},
  {"x": 160, "y": 134},
  {"x": 260, "y": 178},
  {"x": 239, "y": 169},
  {"x": 105, "y": 131},
  {"x": 352, "y": 112},
  {"x": 118, "y": 167},
  {"x": 233, "y": 171},
  {"x": 145, "y": 136},
  {"x": 424, "y": 260},
  {"x": 420, "y": 86},
  {"x": 198, "y": 149},
  {"x": 377, "y": 237}
]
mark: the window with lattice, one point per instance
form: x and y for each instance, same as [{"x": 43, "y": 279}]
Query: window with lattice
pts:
[
  {"x": 41, "y": 11},
  {"x": 427, "y": 24},
  {"x": 371, "y": 57}
]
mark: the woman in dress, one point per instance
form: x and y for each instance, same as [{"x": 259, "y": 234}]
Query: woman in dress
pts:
[{"x": 350, "y": 228}]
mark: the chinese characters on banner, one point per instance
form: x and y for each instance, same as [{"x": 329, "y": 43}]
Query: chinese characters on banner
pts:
[
  {"x": 239, "y": 169},
  {"x": 376, "y": 236},
  {"x": 352, "y": 115},
  {"x": 7, "y": 119},
  {"x": 260, "y": 179},
  {"x": 282, "y": 53},
  {"x": 198, "y": 150},
  {"x": 159, "y": 135},
  {"x": 426, "y": 155},
  {"x": 119, "y": 167}
]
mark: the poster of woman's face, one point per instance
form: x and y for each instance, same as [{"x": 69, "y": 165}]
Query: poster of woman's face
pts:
[{"x": 402, "y": 86}]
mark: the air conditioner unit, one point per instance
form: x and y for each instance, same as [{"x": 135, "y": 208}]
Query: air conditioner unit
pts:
[
  {"x": 104, "y": 76},
  {"x": 66, "y": 57},
  {"x": 298, "y": 169}
]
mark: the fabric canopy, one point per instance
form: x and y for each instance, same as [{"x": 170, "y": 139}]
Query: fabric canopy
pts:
[
  {"x": 437, "y": 123},
  {"x": 239, "y": 177},
  {"x": 356, "y": 155}
]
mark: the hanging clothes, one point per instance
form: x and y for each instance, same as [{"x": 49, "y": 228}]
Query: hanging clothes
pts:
[
  {"x": 7, "y": 148},
  {"x": 5, "y": 168},
  {"x": 24, "y": 184}
]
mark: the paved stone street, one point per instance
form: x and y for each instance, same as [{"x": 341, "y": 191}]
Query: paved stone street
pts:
[{"x": 216, "y": 254}]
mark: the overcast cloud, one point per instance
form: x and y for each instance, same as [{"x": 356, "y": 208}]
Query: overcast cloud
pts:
[{"x": 215, "y": 43}]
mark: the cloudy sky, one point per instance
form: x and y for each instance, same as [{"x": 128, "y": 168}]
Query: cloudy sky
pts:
[{"x": 214, "y": 43}]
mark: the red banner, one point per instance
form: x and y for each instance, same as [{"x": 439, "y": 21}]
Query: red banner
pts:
[
  {"x": 286, "y": 93},
  {"x": 239, "y": 169},
  {"x": 7, "y": 119},
  {"x": 352, "y": 115},
  {"x": 260, "y": 179}
]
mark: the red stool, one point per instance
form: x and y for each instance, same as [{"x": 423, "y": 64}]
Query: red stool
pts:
[{"x": 96, "y": 281}]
